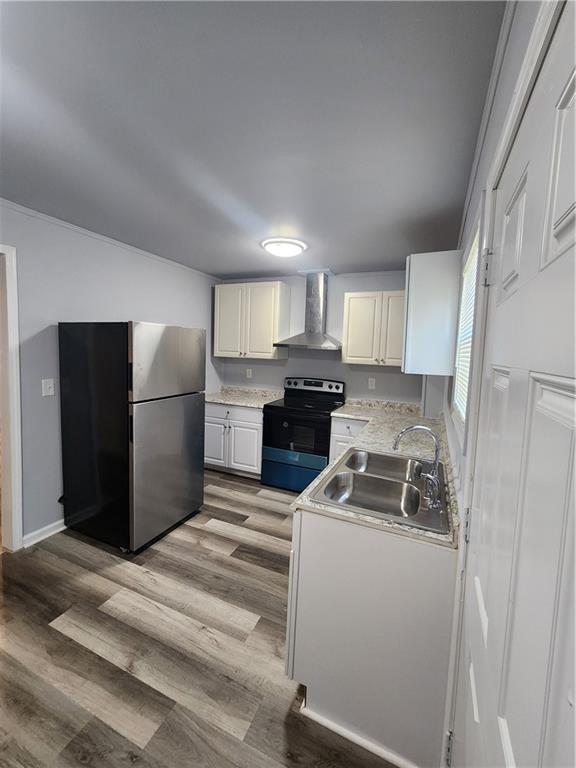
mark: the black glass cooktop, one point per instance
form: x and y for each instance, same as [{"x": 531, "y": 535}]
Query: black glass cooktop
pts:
[{"x": 299, "y": 402}]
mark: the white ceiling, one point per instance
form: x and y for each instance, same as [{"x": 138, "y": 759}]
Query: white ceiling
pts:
[{"x": 194, "y": 130}]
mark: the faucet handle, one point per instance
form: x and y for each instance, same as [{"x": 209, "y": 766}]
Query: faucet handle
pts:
[{"x": 432, "y": 489}]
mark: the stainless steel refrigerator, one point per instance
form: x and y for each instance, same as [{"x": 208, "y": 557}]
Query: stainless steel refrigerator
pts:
[{"x": 132, "y": 415}]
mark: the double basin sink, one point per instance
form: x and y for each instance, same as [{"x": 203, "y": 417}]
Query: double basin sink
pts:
[{"x": 386, "y": 486}]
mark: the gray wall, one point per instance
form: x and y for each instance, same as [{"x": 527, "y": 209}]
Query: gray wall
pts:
[
  {"x": 516, "y": 42},
  {"x": 391, "y": 383},
  {"x": 68, "y": 274}
]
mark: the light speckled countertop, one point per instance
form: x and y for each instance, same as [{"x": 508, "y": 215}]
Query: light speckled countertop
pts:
[
  {"x": 246, "y": 397},
  {"x": 384, "y": 419},
  {"x": 383, "y": 422}
]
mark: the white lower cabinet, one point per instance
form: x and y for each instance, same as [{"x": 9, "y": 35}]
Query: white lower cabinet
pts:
[
  {"x": 233, "y": 438},
  {"x": 369, "y": 632},
  {"x": 245, "y": 446},
  {"x": 338, "y": 444},
  {"x": 215, "y": 434},
  {"x": 342, "y": 432}
]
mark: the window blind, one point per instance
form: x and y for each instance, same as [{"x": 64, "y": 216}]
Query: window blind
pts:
[{"x": 465, "y": 331}]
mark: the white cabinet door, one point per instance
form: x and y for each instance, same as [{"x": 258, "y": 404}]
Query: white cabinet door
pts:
[
  {"x": 245, "y": 447},
  {"x": 229, "y": 320},
  {"x": 338, "y": 444},
  {"x": 432, "y": 296},
  {"x": 249, "y": 318},
  {"x": 373, "y": 331},
  {"x": 215, "y": 441},
  {"x": 392, "y": 328},
  {"x": 361, "y": 333},
  {"x": 261, "y": 307}
]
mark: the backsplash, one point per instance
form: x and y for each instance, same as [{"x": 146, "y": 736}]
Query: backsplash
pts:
[{"x": 390, "y": 384}]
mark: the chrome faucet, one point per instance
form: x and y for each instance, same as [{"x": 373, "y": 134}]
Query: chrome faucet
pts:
[{"x": 431, "y": 478}]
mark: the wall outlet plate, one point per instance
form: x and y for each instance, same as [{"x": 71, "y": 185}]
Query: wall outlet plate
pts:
[
  {"x": 248, "y": 373},
  {"x": 47, "y": 387},
  {"x": 371, "y": 382}
]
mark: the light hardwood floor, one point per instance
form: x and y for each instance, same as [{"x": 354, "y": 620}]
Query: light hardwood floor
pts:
[{"x": 170, "y": 658}]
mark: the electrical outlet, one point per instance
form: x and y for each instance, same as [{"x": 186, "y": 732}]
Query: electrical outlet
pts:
[
  {"x": 47, "y": 387},
  {"x": 371, "y": 382},
  {"x": 248, "y": 373}
]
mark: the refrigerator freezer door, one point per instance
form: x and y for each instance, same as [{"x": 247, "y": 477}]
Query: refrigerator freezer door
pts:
[
  {"x": 166, "y": 360},
  {"x": 167, "y": 464}
]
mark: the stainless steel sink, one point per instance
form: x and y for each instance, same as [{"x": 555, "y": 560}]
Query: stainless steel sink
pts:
[
  {"x": 385, "y": 486},
  {"x": 378, "y": 494},
  {"x": 385, "y": 465}
]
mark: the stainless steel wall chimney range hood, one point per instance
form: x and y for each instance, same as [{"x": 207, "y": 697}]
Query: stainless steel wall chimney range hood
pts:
[{"x": 314, "y": 336}]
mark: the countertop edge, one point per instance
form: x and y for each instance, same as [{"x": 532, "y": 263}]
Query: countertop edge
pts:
[{"x": 415, "y": 534}]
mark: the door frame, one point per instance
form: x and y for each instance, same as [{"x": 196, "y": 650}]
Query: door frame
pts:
[
  {"x": 536, "y": 50},
  {"x": 10, "y": 405}
]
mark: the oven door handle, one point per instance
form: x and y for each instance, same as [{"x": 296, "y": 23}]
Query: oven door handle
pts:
[{"x": 300, "y": 418}]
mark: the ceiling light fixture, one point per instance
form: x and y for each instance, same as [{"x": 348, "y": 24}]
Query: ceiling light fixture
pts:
[{"x": 284, "y": 247}]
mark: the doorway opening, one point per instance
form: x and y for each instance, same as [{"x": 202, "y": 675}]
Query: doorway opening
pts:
[{"x": 10, "y": 418}]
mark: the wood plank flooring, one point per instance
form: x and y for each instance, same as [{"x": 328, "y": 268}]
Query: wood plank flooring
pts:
[{"x": 173, "y": 657}]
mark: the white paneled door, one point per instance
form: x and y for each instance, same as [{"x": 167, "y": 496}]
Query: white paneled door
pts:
[{"x": 515, "y": 703}]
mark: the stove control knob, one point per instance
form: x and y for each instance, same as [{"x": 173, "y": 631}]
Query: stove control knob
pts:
[
  {"x": 329, "y": 386},
  {"x": 338, "y": 387}
]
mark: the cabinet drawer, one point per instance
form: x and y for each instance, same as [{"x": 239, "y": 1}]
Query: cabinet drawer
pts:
[
  {"x": 234, "y": 413},
  {"x": 250, "y": 415},
  {"x": 347, "y": 427},
  {"x": 217, "y": 411}
]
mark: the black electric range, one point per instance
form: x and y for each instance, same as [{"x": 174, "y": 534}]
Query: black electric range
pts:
[{"x": 296, "y": 440}]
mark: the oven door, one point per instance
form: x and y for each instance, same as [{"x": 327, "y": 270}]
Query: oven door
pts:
[
  {"x": 297, "y": 431},
  {"x": 295, "y": 447}
]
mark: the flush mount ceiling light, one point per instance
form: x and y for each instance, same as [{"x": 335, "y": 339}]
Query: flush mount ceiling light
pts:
[{"x": 285, "y": 247}]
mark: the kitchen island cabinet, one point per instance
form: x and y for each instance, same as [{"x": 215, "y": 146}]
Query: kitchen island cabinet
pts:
[{"x": 369, "y": 633}]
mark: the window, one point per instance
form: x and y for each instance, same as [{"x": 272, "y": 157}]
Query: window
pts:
[{"x": 465, "y": 333}]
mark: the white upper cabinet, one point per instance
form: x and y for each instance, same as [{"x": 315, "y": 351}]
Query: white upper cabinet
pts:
[
  {"x": 432, "y": 295},
  {"x": 373, "y": 332},
  {"x": 229, "y": 320},
  {"x": 361, "y": 333},
  {"x": 392, "y": 328},
  {"x": 261, "y": 315},
  {"x": 249, "y": 318}
]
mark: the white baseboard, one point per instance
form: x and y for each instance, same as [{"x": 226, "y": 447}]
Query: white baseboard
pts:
[
  {"x": 30, "y": 539},
  {"x": 371, "y": 746}
]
